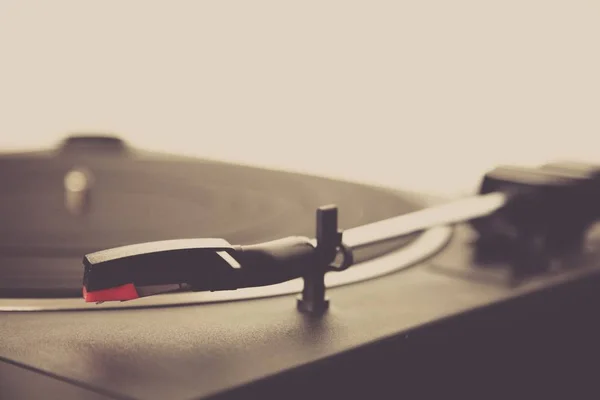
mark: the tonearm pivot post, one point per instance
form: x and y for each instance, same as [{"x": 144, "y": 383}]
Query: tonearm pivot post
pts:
[{"x": 313, "y": 299}]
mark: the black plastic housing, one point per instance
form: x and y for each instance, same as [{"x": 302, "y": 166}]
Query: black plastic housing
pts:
[
  {"x": 202, "y": 264},
  {"x": 546, "y": 214}
]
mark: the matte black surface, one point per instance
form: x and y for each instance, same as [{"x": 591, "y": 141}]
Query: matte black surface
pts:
[
  {"x": 140, "y": 197},
  {"x": 585, "y": 170},
  {"x": 22, "y": 383},
  {"x": 541, "y": 346}
]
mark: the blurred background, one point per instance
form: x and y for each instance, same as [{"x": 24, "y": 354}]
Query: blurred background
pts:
[{"x": 423, "y": 95}]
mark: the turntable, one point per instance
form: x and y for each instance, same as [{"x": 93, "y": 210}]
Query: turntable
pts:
[{"x": 390, "y": 294}]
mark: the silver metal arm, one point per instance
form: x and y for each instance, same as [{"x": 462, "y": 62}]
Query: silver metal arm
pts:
[{"x": 446, "y": 214}]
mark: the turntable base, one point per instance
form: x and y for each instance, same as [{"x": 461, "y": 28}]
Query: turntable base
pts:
[{"x": 384, "y": 334}]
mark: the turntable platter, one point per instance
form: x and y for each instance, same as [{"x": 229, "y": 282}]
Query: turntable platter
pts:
[{"x": 136, "y": 196}]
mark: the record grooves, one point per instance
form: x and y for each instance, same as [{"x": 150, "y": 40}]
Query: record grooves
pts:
[{"x": 140, "y": 197}]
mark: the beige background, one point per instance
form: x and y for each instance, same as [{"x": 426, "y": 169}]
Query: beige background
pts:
[{"x": 419, "y": 94}]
